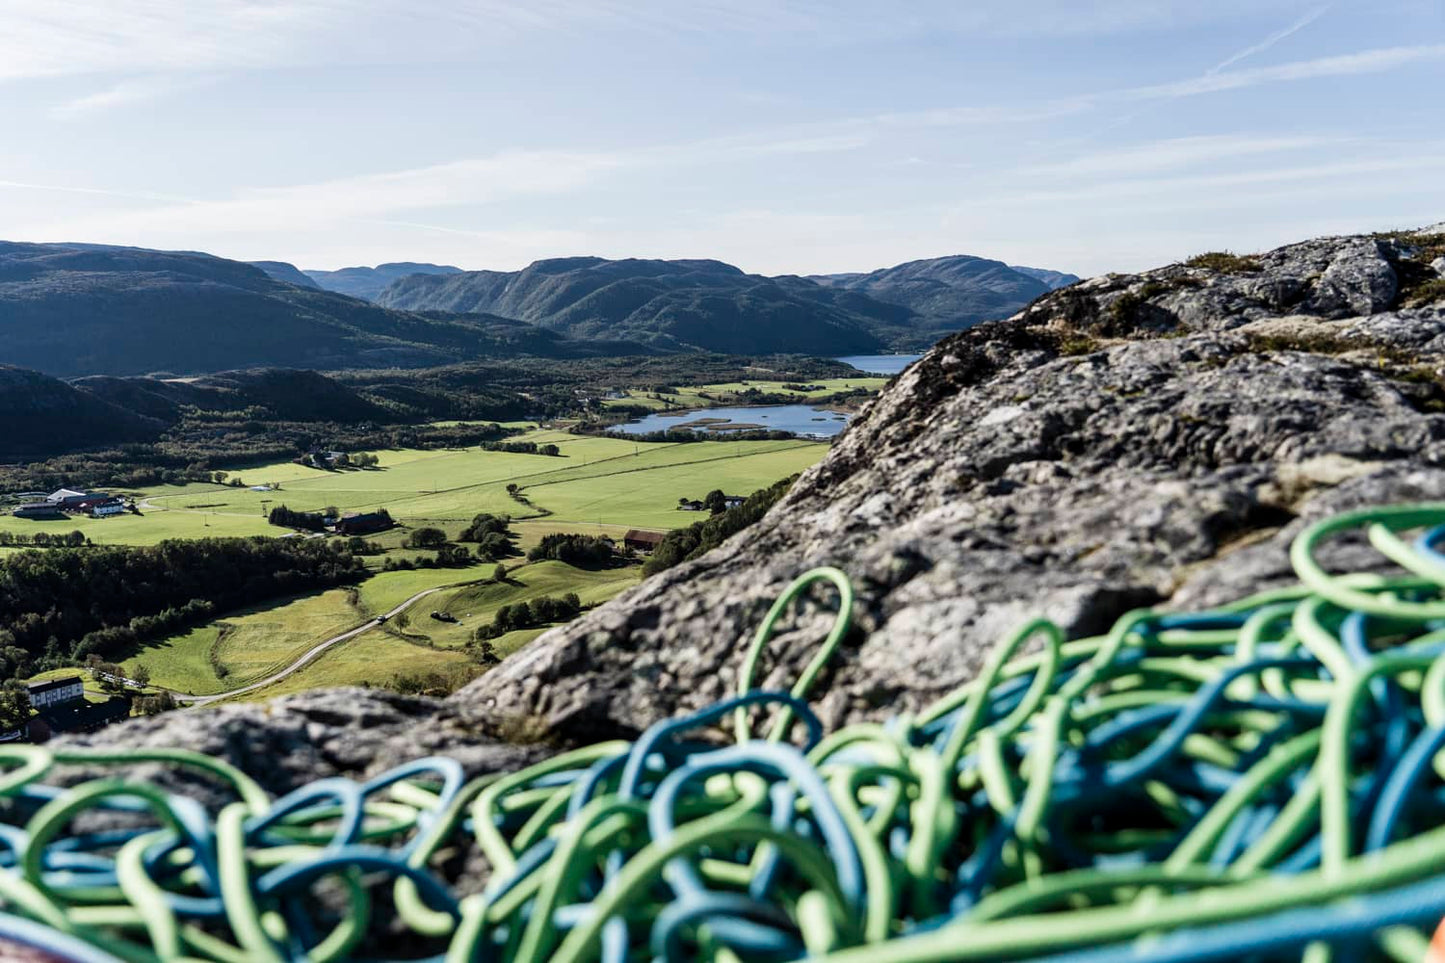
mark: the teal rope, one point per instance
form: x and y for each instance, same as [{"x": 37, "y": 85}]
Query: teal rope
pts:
[{"x": 1261, "y": 780}]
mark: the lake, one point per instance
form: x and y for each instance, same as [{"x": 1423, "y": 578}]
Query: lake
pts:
[
  {"x": 882, "y": 364},
  {"x": 719, "y": 422}
]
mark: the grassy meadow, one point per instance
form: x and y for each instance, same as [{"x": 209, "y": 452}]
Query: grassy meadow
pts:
[
  {"x": 595, "y": 486},
  {"x": 410, "y": 644}
]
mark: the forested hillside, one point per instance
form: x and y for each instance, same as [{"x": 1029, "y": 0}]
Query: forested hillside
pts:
[
  {"x": 73, "y": 310},
  {"x": 61, "y": 605},
  {"x": 684, "y": 304},
  {"x": 949, "y": 293},
  {"x": 368, "y": 282}
]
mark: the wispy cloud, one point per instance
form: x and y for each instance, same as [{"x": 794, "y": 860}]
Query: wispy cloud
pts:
[
  {"x": 76, "y": 37},
  {"x": 125, "y": 93},
  {"x": 1180, "y": 152},
  {"x": 1270, "y": 41},
  {"x": 1374, "y": 61},
  {"x": 94, "y": 192}
]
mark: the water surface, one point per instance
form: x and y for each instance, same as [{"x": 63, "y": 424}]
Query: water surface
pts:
[
  {"x": 720, "y": 422},
  {"x": 882, "y": 364}
]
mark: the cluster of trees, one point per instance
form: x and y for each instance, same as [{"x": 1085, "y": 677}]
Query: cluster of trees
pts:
[
  {"x": 492, "y": 535},
  {"x": 436, "y": 683},
  {"x": 714, "y": 501},
  {"x": 426, "y": 537},
  {"x": 14, "y": 704},
  {"x": 306, "y": 521},
  {"x": 685, "y": 544},
  {"x": 59, "y": 606},
  {"x": 357, "y": 545},
  {"x": 540, "y": 611},
  {"x": 583, "y": 551},
  {"x": 153, "y": 704},
  {"x": 43, "y": 540},
  {"x": 361, "y": 459},
  {"x": 492, "y": 543},
  {"x": 448, "y": 554},
  {"x": 112, "y": 677},
  {"x": 521, "y": 447}
]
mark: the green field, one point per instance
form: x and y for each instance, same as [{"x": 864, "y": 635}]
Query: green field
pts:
[
  {"x": 601, "y": 481},
  {"x": 416, "y": 643},
  {"x": 252, "y": 644},
  {"x": 596, "y": 486}
]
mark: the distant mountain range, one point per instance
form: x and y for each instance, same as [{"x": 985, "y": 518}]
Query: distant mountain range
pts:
[
  {"x": 715, "y": 306},
  {"x": 949, "y": 293},
  {"x": 73, "y": 310},
  {"x": 368, "y": 282},
  {"x": 670, "y": 305},
  {"x": 82, "y": 309}
]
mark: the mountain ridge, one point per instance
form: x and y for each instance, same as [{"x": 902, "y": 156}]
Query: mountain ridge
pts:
[
  {"x": 670, "y": 304},
  {"x": 72, "y": 310},
  {"x": 949, "y": 293},
  {"x": 368, "y": 282}
]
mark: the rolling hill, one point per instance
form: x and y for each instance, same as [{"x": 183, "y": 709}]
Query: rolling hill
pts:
[
  {"x": 40, "y": 414},
  {"x": 683, "y": 304},
  {"x": 368, "y": 282},
  {"x": 281, "y": 271},
  {"x": 73, "y": 310},
  {"x": 717, "y": 307},
  {"x": 951, "y": 293}
]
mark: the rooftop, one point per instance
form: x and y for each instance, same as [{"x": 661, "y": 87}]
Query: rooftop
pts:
[
  {"x": 76, "y": 716},
  {"x": 61, "y": 683}
]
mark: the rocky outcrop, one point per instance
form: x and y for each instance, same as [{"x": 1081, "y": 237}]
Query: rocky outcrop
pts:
[{"x": 1127, "y": 441}]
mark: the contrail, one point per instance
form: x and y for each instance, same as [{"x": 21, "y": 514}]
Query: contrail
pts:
[{"x": 1270, "y": 41}]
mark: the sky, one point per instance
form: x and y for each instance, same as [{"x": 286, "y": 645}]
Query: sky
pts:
[{"x": 784, "y": 136}]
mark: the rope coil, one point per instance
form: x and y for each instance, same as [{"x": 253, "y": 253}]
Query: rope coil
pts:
[{"x": 1261, "y": 781}]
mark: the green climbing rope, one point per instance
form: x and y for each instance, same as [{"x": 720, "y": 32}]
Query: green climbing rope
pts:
[{"x": 1261, "y": 781}]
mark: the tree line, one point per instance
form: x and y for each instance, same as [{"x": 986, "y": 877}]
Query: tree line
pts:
[
  {"x": 521, "y": 448},
  {"x": 43, "y": 540},
  {"x": 543, "y": 610},
  {"x": 684, "y": 544},
  {"x": 582, "y": 551},
  {"x": 60, "y": 606}
]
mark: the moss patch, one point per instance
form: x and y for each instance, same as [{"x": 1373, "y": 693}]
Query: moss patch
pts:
[{"x": 1226, "y": 262}]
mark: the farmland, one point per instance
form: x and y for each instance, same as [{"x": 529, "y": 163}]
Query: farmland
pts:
[
  {"x": 604, "y": 483},
  {"x": 247, "y": 646},
  {"x": 593, "y": 486}
]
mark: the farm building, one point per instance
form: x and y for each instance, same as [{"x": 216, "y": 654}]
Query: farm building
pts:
[
  {"x": 106, "y": 507},
  {"x": 364, "y": 523},
  {"x": 38, "y": 510},
  {"x": 56, "y": 692},
  {"x": 69, "y": 498},
  {"x": 78, "y": 716},
  {"x": 642, "y": 541}
]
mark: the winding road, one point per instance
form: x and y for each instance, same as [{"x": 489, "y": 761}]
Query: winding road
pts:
[{"x": 310, "y": 655}]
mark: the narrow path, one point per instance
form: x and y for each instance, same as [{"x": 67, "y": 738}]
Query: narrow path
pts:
[{"x": 310, "y": 655}]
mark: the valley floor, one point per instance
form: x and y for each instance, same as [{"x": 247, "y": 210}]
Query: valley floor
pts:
[{"x": 594, "y": 486}]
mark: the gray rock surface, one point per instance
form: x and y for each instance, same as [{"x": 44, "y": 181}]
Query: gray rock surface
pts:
[{"x": 1130, "y": 440}]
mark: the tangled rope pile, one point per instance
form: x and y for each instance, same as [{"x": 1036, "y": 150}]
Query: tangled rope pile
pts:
[{"x": 1262, "y": 781}]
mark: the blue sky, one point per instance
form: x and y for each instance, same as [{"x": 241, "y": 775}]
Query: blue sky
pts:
[{"x": 790, "y": 136}]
